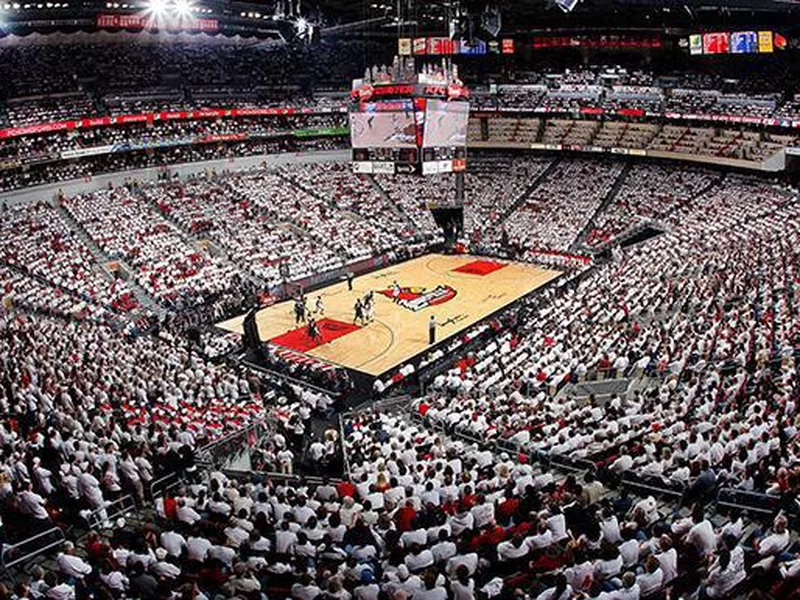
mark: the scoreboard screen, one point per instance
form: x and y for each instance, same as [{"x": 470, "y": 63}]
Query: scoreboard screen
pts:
[
  {"x": 445, "y": 124},
  {"x": 384, "y": 125},
  {"x": 417, "y": 127},
  {"x": 410, "y": 135}
]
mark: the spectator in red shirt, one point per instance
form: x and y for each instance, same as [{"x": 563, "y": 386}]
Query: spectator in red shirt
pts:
[
  {"x": 345, "y": 488},
  {"x": 404, "y": 519}
]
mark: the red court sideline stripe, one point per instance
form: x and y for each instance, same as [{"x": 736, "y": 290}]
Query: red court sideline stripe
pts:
[
  {"x": 299, "y": 340},
  {"x": 480, "y": 267}
]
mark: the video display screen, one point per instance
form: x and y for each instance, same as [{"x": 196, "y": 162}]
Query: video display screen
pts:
[
  {"x": 446, "y": 124},
  {"x": 383, "y": 125}
]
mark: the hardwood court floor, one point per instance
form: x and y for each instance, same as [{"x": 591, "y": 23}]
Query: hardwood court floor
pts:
[{"x": 432, "y": 286}]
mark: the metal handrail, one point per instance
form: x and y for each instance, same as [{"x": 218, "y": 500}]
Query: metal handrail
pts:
[
  {"x": 651, "y": 485},
  {"x": 575, "y": 465},
  {"x": 342, "y": 445},
  {"x": 766, "y": 504},
  {"x": 11, "y": 555},
  {"x": 161, "y": 485},
  {"x": 275, "y": 476},
  {"x": 210, "y": 452},
  {"x": 121, "y": 507}
]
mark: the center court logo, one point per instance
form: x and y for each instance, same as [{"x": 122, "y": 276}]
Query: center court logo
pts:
[{"x": 417, "y": 298}]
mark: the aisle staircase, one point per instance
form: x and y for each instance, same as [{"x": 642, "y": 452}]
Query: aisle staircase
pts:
[
  {"x": 577, "y": 245},
  {"x": 389, "y": 201},
  {"x": 142, "y": 296},
  {"x": 520, "y": 201}
]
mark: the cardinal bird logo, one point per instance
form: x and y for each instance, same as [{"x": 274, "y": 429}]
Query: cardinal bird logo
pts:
[{"x": 416, "y": 298}]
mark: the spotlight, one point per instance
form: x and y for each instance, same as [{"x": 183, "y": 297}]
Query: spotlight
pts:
[
  {"x": 183, "y": 7},
  {"x": 158, "y": 7}
]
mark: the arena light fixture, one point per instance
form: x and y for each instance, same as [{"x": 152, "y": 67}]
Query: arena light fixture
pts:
[
  {"x": 183, "y": 8},
  {"x": 157, "y": 7}
]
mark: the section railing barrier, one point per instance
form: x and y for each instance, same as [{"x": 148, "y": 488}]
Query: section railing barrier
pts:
[
  {"x": 393, "y": 404},
  {"x": 508, "y": 446},
  {"x": 246, "y": 476},
  {"x": 26, "y": 549},
  {"x": 650, "y": 485},
  {"x": 345, "y": 455},
  {"x": 575, "y": 465},
  {"x": 753, "y": 502},
  {"x": 222, "y": 450},
  {"x": 164, "y": 485},
  {"x": 105, "y": 517}
]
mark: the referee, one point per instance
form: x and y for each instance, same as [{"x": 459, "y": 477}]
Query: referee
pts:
[{"x": 432, "y": 330}]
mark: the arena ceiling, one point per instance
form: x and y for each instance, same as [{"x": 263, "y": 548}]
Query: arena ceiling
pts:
[
  {"x": 387, "y": 16},
  {"x": 389, "y": 19}
]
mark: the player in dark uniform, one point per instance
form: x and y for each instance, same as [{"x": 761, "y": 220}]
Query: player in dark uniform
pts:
[
  {"x": 313, "y": 330},
  {"x": 299, "y": 311},
  {"x": 359, "y": 310}
]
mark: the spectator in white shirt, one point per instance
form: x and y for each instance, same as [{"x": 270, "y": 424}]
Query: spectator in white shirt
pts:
[{"x": 70, "y": 565}]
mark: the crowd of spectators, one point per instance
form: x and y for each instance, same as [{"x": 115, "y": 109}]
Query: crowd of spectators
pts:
[
  {"x": 708, "y": 309},
  {"x": 649, "y": 192},
  {"x": 705, "y": 317},
  {"x": 43, "y": 147},
  {"x": 488, "y": 197},
  {"x": 422, "y": 513},
  {"x": 199, "y": 248},
  {"x": 558, "y": 209},
  {"x": 85, "y": 168},
  {"x": 270, "y": 249},
  {"x": 125, "y": 226},
  {"x": 374, "y": 225},
  {"x": 358, "y": 195},
  {"x": 122, "y": 65},
  {"x": 40, "y": 242},
  {"x": 90, "y": 414},
  {"x": 414, "y": 196}
]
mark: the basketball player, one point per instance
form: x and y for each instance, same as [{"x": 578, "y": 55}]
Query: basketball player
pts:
[
  {"x": 299, "y": 312},
  {"x": 313, "y": 331},
  {"x": 395, "y": 292},
  {"x": 368, "y": 304},
  {"x": 319, "y": 306},
  {"x": 359, "y": 310}
]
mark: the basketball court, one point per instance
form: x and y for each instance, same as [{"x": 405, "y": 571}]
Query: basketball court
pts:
[{"x": 458, "y": 291}]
